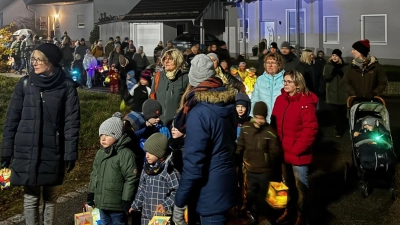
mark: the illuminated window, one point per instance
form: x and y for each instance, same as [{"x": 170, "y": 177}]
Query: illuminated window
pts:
[
  {"x": 331, "y": 29},
  {"x": 374, "y": 28}
]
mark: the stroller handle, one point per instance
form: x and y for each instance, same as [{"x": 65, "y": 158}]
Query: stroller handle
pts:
[{"x": 351, "y": 99}]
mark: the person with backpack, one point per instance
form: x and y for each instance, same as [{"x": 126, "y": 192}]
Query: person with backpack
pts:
[{"x": 41, "y": 133}]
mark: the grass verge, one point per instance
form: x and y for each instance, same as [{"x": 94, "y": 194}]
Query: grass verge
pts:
[{"x": 95, "y": 108}]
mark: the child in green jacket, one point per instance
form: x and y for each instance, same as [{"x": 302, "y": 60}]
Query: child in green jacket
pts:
[{"x": 115, "y": 178}]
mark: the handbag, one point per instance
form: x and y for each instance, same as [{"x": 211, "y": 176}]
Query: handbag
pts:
[{"x": 277, "y": 195}]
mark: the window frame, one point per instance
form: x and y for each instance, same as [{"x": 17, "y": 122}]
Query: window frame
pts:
[
  {"x": 240, "y": 39},
  {"x": 77, "y": 22},
  {"x": 362, "y": 21},
  {"x": 325, "y": 31},
  {"x": 287, "y": 11}
]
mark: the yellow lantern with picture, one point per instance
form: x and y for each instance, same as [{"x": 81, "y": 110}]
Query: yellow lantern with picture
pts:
[{"x": 277, "y": 195}]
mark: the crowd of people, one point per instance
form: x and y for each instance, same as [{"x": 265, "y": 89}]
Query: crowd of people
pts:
[{"x": 203, "y": 129}]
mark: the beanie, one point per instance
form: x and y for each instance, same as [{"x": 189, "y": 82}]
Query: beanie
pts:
[
  {"x": 369, "y": 121},
  {"x": 82, "y": 39},
  {"x": 136, "y": 120},
  {"x": 242, "y": 99},
  {"x": 285, "y": 44},
  {"x": 52, "y": 52},
  {"x": 146, "y": 74},
  {"x": 260, "y": 109},
  {"x": 214, "y": 56},
  {"x": 274, "y": 45},
  {"x": 157, "y": 145},
  {"x": 337, "y": 52},
  {"x": 113, "y": 126},
  {"x": 140, "y": 48},
  {"x": 202, "y": 67},
  {"x": 151, "y": 109},
  {"x": 362, "y": 47}
]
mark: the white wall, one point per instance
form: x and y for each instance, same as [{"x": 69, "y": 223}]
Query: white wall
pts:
[
  {"x": 113, "y": 8},
  {"x": 168, "y": 33},
  {"x": 14, "y": 10}
]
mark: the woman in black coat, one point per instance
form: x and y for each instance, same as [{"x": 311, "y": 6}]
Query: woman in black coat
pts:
[{"x": 41, "y": 132}]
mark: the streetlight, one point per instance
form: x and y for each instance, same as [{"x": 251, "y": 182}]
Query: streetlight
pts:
[{"x": 57, "y": 16}]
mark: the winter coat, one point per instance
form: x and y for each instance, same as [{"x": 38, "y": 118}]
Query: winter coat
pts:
[
  {"x": 114, "y": 77},
  {"x": 246, "y": 117},
  {"x": 169, "y": 93},
  {"x": 97, "y": 52},
  {"x": 335, "y": 86},
  {"x": 311, "y": 77},
  {"x": 41, "y": 131},
  {"x": 291, "y": 62},
  {"x": 260, "y": 146},
  {"x": 113, "y": 58},
  {"x": 157, "y": 189},
  {"x": 250, "y": 83},
  {"x": 267, "y": 89},
  {"x": 89, "y": 62},
  {"x": 81, "y": 50},
  {"x": 209, "y": 173},
  {"x": 114, "y": 177},
  {"x": 141, "y": 60},
  {"x": 230, "y": 80},
  {"x": 296, "y": 122},
  {"x": 109, "y": 48},
  {"x": 260, "y": 64},
  {"x": 243, "y": 75},
  {"x": 67, "y": 52},
  {"x": 371, "y": 80},
  {"x": 16, "y": 49},
  {"x": 140, "y": 94}
]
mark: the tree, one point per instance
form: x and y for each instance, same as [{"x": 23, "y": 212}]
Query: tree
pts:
[
  {"x": 5, "y": 42},
  {"x": 22, "y": 22},
  {"x": 94, "y": 34}
]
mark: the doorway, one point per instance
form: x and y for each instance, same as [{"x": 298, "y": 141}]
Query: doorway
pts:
[{"x": 268, "y": 31}]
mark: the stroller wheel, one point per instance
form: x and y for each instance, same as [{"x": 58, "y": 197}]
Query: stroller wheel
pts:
[{"x": 364, "y": 190}]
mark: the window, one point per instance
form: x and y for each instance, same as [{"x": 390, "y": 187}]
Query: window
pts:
[
  {"x": 81, "y": 21},
  {"x": 331, "y": 29},
  {"x": 374, "y": 28},
  {"x": 240, "y": 29},
  {"x": 291, "y": 27}
]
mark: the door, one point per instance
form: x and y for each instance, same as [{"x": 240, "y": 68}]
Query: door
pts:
[
  {"x": 180, "y": 28},
  {"x": 267, "y": 31},
  {"x": 291, "y": 27},
  {"x": 148, "y": 36}
]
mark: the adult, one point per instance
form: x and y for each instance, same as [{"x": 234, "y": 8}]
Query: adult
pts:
[
  {"x": 131, "y": 52},
  {"x": 320, "y": 63},
  {"x": 223, "y": 53},
  {"x": 310, "y": 72},
  {"x": 336, "y": 93},
  {"x": 226, "y": 78},
  {"x": 294, "y": 116},
  {"x": 170, "y": 84},
  {"x": 125, "y": 65},
  {"x": 81, "y": 48},
  {"x": 67, "y": 55},
  {"x": 208, "y": 166},
  {"x": 44, "y": 112},
  {"x": 114, "y": 56},
  {"x": 170, "y": 45},
  {"x": 16, "y": 53},
  {"x": 268, "y": 86},
  {"x": 364, "y": 77},
  {"x": 141, "y": 60},
  {"x": 118, "y": 41},
  {"x": 190, "y": 57},
  {"x": 65, "y": 35},
  {"x": 97, "y": 51},
  {"x": 273, "y": 48},
  {"x": 125, "y": 45},
  {"x": 289, "y": 58},
  {"x": 157, "y": 50},
  {"x": 109, "y": 46}
]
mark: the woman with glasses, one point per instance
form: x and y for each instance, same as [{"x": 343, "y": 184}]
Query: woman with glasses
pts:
[
  {"x": 294, "y": 116},
  {"x": 269, "y": 84},
  {"x": 41, "y": 132}
]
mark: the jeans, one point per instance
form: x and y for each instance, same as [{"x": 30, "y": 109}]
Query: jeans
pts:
[
  {"x": 109, "y": 217},
  {"x": 296, "y": 178},
  {"x": 219, "y": 219},
  {"x": 32, "y": 200},
  {"x": 90, "y": 74}
]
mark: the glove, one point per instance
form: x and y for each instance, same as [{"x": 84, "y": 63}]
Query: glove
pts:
[
  {"x": 5, "y": 162},
  {"x": 358, "y": 95},
  {"x": 69, "y": 165},
  {"x": 369, "y": 95},
  {"x": 90, "y": 199},
  {"x": 178, "y": 215},
  {"x": 126, "y": 205}
]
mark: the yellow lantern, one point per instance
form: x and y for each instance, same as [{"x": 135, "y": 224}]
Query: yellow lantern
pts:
[{"x": 277, "y": 195}]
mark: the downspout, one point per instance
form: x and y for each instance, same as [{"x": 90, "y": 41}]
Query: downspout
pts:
[
  {"x": 34, "y": 13},
  {"x": 227, "y": 23},
  {"x": 201, "y": 30}
]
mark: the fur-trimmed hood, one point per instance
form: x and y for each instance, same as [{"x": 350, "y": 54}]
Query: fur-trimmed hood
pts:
[
  {"x": 221, "y": 95},
  {"x": 368, "y": 64}
]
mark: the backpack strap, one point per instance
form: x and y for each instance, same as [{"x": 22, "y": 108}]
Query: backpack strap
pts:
[{"x": 156, "y": 80}]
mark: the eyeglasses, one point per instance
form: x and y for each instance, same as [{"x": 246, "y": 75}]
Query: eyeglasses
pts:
[
  {"x": 37, "y": 61},
  {"x": 271, "y": 63},
  {"x": 288, "y": 82}
]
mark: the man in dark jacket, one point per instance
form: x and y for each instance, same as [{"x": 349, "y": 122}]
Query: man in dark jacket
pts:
[
  {"x": 81, "y": 48},
  {"x": 290, "y": 59},
  {"x": 189, "y": 58},
  {"x": 125, "y": 46},
  {"x": 125, "y": 65},
  {"x": 157, "y": 51},
  {"x": 223, "y": 53}
]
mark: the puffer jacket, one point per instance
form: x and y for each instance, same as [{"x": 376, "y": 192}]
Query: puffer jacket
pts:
[
  {"x": 115, "y": 176},
  {"x": 335, "y": 86},
  {"x": 296, "y": 123},
  {"x": 267, "y": 89},
  {"x": 41, "y": 131}
]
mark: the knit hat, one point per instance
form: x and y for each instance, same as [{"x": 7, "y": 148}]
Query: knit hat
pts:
[
  {"x": 242, "y": 99},
  {"x": 146, "y": 74},
  {"x": 260, "y": 109},
  {"x": 369, "y": 121},
  {"x": 274, "y": 45},
  {"x": 113, "y": 126},
  {"x": 136, "y": 120},
  {"x": 214, "y": 56},
  {"x": 157, "y": 145},
  {"x": 82, "y": 39},
  {"x": 52, "y": 52},
  {"x": 362, "y": 47},
  {"x": 202, "y": 67},
  {"x": 151, "y": 109},
  {"x": 337, "y": 52},
  {"x": 140, "y": 48},
  {"x": 285, "y": 44}
]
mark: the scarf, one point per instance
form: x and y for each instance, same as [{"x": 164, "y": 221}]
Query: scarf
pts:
[
  {"x": 48, "y": 82},
  {"x": 171, "y": 75},
  {"x": 362, "y": 63},
  {"x": 337, "y": 69},
  {"x": 180, "y": 118},
  {"x": 155, "y": 169}
]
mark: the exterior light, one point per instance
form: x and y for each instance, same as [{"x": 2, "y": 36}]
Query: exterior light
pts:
[{"x": 57, "y": 16}]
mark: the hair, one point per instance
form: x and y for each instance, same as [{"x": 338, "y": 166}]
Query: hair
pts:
[
  {"x": 252, "y": 69},
  {"x": 194, "y": 47},
  {"x": 41, "y": 55},
  {"x": 298, "y": 80},
  {"x": 278, "y": 58},
  {"x": 339, "y": 60},
  {"x": 305, "y": 56},
  {"x": 176, "y": 56},
  {"x": 182, "y": 103}
]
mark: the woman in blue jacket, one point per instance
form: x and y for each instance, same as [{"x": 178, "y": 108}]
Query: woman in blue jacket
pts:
[
  {"x": 208, "y": 160},
  {"x": 269, "y": 84}
]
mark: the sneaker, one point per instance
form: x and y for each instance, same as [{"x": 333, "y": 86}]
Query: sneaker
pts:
[{"x": 286, "y": 218}]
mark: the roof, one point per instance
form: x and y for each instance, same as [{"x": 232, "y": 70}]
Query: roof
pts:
[
  {"x": 161, "y": 10},
  {"x": 58, "y": 2}
]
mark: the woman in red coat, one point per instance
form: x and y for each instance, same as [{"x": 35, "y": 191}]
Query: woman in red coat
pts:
[{"x": 294, "y": 116}]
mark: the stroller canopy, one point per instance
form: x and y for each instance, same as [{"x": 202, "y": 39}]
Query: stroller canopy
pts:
[{"x": 373, "y": 109}]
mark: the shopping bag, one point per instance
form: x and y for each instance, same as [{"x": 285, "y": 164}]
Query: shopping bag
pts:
[
  {"x": 5, "y": 175},
  {"x": 277, "y": 195},
  {"x": 84, "y": 218},
  {"x": 160, "y": 220}
]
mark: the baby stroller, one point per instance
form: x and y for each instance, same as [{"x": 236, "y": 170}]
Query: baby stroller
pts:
[{"x": 373, "y": 154}]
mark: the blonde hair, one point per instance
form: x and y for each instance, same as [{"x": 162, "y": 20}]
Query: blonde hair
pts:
[
  {"x": 184, "y": 96},
  {"x": 298, "y": 80},
  {"x": 339, "y": 60},
  {"x": 176, "y": 56},
  {"x": 41, "y": 55},
  {"x": 278, "y": 58},
  {"x": 305, "y": 56}
]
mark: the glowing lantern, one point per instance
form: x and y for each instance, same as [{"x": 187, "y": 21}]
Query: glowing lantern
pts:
[{"x": 277, "y": 195}]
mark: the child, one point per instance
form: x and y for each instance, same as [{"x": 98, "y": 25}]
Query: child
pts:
[
  {"x": 370, "y": 128},
  {"x": 90, "y": 64},
  {"x": 114, "y": 178},
  {"x": 243, "y": 109},
  {"x": 234, "y": 72},
  {"x": 159, "y": 180},
  {"x": 261, "y": 153},
  {"x": 77, "y": 69},
  {"x": 114, "y": 79},
  {"x": 250, "y": 80},
  {"x": 242, "y": 70},
  {"x": 141, "y": 91}
]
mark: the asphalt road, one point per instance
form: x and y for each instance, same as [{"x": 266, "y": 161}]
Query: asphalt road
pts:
[{"x": 333, "y": 200}]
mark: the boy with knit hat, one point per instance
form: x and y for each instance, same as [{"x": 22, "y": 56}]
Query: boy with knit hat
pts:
[
  {"x": 261, "y": 151},
  {"x": 114, "y": 178},
  {"x": 158, "y": 181}
]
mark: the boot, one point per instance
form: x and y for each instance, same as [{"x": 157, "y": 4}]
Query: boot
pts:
[
  {"x": 301, "y": 221},
  {"x": 286, "y": 217}
]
